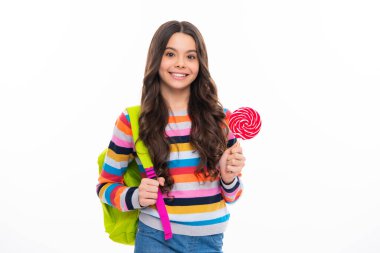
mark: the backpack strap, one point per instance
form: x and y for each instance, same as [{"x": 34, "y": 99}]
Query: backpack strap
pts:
[{"x": 143, "y": 154}]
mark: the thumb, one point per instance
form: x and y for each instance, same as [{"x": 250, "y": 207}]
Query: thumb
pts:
[
  {"x": 236, "y": 145},
  {"x": 161, "y": 181}
]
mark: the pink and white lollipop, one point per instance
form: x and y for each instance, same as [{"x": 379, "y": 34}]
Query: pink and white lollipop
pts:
[{"x": 245, "y": 123}]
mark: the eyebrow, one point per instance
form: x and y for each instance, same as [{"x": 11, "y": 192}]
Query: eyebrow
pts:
[{"x": 188, "y": 51}]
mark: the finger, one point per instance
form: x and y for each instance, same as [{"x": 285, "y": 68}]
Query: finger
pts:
[
  {"x": 151, "y": 195},
  {"x": 230, "y": 149},
  {"x": 231, "y": 174},
  {"x": 234, "y": 146},
  {"x": 238, "y": 150},
  {"x": 147, "y": 202},
  {"x": 236, "y": 156},
  {"x": 231, "y": 161},
  {"x": 235, "y": 162},
  {"x": 234, "y": 169},
  {"x": 149, "y": 181},
  {"x": 148, "y": 195},
  {"x": 161, "y": 181},
  {"x": 147, "y": 187},
  {"x": 150, "y": 188}
]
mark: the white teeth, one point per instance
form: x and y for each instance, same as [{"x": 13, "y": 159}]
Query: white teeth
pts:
[{"x": 178, "y": 75}]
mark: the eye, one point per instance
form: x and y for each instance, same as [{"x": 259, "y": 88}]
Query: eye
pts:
[
  {"x": 192, "y": 57},
  {"x": 170, "y": 54}
]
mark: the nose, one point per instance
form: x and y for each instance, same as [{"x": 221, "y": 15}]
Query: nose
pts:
[{"x": 180, "y": 63}]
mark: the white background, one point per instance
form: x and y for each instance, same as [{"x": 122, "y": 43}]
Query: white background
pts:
[{"x": 311, "y": 68}]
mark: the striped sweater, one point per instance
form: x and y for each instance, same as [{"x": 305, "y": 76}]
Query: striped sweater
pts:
[{"x": 194, "y": 207}]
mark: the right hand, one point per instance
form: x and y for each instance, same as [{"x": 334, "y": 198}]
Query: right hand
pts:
[{"x": 148, "y": 191}]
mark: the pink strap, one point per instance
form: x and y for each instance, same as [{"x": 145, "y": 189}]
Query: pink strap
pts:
[
  {"x": 161, "y": 209},
  {"x": 164, "y": 216}
]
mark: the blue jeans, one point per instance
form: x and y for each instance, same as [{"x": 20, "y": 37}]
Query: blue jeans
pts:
[{"x": 152, "y": 240}]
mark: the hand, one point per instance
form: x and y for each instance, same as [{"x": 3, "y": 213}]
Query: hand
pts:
[
  {"x": 231, "y": 163},
  {"x": 148, "y": 191}
]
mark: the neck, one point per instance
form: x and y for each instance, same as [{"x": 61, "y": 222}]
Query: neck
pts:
[{"x": 177, "y": 100}]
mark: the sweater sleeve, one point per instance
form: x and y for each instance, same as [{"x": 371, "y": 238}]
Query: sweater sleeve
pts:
[
  {"x": 232, "y": 191},
  {"x": 111, "y": 188}
]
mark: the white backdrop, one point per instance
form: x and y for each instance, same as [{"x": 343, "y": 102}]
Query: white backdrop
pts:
[{"x": 312, "y": 179}]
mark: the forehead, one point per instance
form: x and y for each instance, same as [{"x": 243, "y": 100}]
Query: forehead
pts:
[{"x": 181, "y": 42}]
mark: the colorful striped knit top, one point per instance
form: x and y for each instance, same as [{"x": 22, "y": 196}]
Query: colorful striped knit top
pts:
[{"x": 195, "y": 207}]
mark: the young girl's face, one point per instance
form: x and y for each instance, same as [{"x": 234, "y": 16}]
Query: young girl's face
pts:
[{"x": 179, "y": 64}]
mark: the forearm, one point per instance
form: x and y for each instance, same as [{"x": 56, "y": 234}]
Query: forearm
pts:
[
  {"x": 111, "y": 188},
  {"x": 119, "y": 196}
]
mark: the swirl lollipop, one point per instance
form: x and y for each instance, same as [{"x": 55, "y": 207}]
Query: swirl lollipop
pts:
[{"x": 245, "y": 123}]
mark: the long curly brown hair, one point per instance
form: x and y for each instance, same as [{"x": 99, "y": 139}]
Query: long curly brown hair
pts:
[{"x": 208, "y": 131}]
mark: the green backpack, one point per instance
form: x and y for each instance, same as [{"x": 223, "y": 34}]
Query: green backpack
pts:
[{"x": 122, "y": 226}]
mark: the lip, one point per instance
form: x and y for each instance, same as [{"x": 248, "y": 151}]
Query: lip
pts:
[{"x": 180, "y": 73}]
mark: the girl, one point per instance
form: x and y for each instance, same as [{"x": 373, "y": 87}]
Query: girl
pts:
[{"x": 196, "y": 158}]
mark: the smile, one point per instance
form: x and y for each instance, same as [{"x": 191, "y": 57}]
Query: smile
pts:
[{"x": 178, "y": 76}]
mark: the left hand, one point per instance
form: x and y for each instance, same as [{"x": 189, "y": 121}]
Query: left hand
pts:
[{"x": 231, "y": 163}]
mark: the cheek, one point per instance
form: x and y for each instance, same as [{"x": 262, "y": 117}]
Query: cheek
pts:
[
  {"x": 163, "y": 69},
  {"x": 195, "y": 69},
  {"x": 164, "y": 65}
]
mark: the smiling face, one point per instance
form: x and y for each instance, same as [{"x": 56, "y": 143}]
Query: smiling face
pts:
[{"x": 179, "y": 64}]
